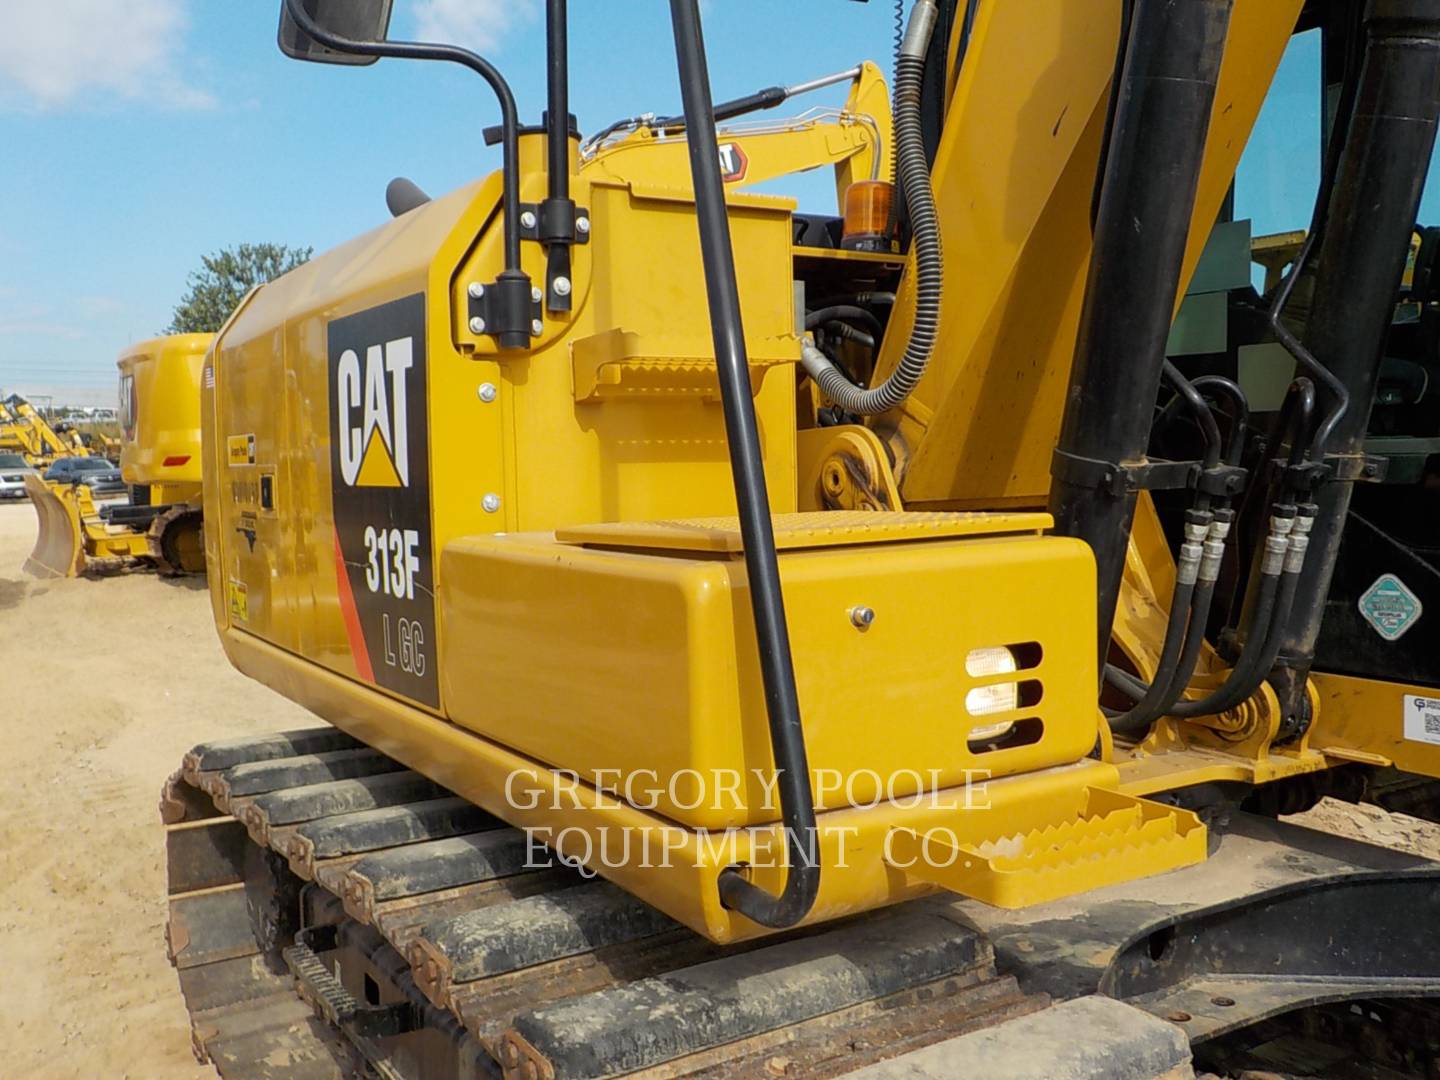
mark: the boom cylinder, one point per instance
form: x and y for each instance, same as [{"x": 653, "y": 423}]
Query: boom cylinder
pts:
[
  {"x": 1147, "y": 198},
  {"x": 1359, "y": 265}
]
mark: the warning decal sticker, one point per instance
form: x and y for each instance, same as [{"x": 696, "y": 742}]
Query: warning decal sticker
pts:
[
  {"x": 380, "y": 468},
  {"x": 1390, "y": 607},
  {"x": 1422, "y": 719}
]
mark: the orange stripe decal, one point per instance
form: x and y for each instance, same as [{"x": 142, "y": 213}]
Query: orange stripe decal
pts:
[{"x": 353, "y": 629}]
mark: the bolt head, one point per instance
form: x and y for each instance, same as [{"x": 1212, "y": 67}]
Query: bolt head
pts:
[
  {"x": 491, "y": 503},
  {"x": 477, "y": 325},
  {"x": 562, "y": 286},
  {"x": 537, "y": 328},
  {"x": 476, "y": 290},
  {"x": 861, "y": 617},
  {"x": 527, "y": 219},
  {"x": 487, "y": 392},
  {"x": 536, "y": 295},
  {"x": 582, "y": 226}
]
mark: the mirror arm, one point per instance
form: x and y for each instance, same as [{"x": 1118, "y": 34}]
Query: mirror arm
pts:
[{"x": 509, "y": 122}]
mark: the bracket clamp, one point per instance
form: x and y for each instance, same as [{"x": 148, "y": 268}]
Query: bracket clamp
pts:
[{"x": 507, "y": 309}]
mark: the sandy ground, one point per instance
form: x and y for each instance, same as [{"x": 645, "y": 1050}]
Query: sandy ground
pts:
[{"x": 104, "y": 684}]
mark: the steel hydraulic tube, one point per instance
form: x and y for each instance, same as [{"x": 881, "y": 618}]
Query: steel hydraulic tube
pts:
[
  {"x": 1147, "y": 199},
  {"x": 1358, "y": 270},
  {"x": 777, "y": 670}
]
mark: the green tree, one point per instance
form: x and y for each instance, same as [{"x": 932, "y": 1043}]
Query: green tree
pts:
[{"x": 225, "y": 277}]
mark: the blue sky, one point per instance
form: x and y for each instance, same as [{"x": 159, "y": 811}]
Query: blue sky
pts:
[{"x": 141, "y": 135}]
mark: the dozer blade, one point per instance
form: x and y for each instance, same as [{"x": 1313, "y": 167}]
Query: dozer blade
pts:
[{"x": 60, "y": 546}]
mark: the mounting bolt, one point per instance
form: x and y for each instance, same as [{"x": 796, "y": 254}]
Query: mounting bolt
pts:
[
  {"x": 477, "y": 325},
  {"x": 582, "y": 226},
  {"x": 527, "y": 219},
  {"x": 561, "y": 286},
  {"x": 491, "y": 503},
  {"x": 486, "y": 392},
  {"x": 476, "y": 290},
  {"x": 861, "y": 617},
  {"x": 536, "y": 295},
  {"x": 537, "y": 328}
]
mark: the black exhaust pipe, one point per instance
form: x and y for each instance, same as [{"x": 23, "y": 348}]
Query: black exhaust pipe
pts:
[{"x": 1147, "y": 198}]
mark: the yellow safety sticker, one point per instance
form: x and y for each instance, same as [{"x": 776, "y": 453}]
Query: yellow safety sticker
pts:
[
  {"x": 239, "y": 601},
  {"x": 241, "y": 449}
]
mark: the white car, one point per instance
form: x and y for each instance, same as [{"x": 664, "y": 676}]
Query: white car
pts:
[{"x": 13, "y": 471}]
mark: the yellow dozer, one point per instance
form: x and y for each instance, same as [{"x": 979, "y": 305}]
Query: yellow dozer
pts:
[
  {"x": 763, "y": 644},
  {"x": 160, "y": 460}
]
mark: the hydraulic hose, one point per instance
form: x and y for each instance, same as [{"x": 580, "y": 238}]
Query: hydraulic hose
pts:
[
  {"x": 1139, "y": 718},
  {"x": 841, "y": 313},
  {"x": 914, "y": 174},
  {"x": 1206, "y": 581},
  {"x": 1239, "y": 410},
  {"x": 1284, "y": 558},
  {"x": 1195, "y": 401}
]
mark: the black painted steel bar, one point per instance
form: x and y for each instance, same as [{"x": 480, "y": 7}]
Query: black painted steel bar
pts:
[{"x": 787, "y": 737}]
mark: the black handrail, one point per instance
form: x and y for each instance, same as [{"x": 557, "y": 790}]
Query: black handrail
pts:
[
  {"x": 410, "y": 50},
  {"x": 782, "y": 705}
]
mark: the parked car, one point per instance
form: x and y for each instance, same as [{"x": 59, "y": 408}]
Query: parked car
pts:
[
  {"x": 13, "y": 470},
  {"x": 97, "y": 474}
]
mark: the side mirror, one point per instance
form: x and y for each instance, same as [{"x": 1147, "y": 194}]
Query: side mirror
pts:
[{"x": 354, "y": 20}]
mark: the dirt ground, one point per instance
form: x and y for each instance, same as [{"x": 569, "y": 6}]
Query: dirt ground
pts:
[{"x": 103, "y": 686}]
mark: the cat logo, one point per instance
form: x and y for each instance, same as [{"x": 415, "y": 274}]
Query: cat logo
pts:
[
  {"x": 370, "y": 402},
  {"x": 734, "y": 163}
]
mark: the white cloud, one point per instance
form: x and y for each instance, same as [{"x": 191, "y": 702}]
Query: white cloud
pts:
[
  {"x": 479, "y": 25},
  {"x": 55, "y": 52}
]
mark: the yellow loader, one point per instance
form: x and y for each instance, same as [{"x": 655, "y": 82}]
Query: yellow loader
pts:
[
  {"x": 161, "y": 523},
  {"x": 875, "y": 644}
]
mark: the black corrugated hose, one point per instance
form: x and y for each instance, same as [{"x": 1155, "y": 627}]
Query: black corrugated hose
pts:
[{"x": 914, "y": 172}]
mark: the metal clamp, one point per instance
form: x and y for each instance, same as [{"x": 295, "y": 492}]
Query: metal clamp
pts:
[
  {"x": 507, "y": 309},
  {"x": 1117, "y": 479},
  {"x": 1357, "y": 468},
  {"x": 557, "y": 224}
]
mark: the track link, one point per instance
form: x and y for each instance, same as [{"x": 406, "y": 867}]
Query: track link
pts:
[
  {"x": 333, "y": 914},
  {"x": 175, "y": 541}
]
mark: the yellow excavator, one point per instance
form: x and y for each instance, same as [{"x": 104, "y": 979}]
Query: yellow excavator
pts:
[
  {"x": 25, "y": 431},
  {"x": 879, "y": 644},
  {"x": 161, "y": 524}
]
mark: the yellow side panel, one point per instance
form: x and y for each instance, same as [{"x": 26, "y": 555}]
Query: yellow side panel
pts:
[
  {"x": 361, "y": 424},
  {"x": 160, "y": 412},
  {"x": 646, "y": 664},
  {"x": 273, "y": 387},
  {"x": 1378, "y": 722},
  {"x": 1014, "y": 176}
]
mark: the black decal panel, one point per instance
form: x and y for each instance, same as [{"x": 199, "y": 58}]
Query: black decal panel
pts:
[{"x": 380, "y": 491}]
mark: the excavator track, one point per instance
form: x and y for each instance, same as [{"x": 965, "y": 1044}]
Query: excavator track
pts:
[
  {"x": 175, "y": 541},
  {"x": 333, "y": 913}
]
